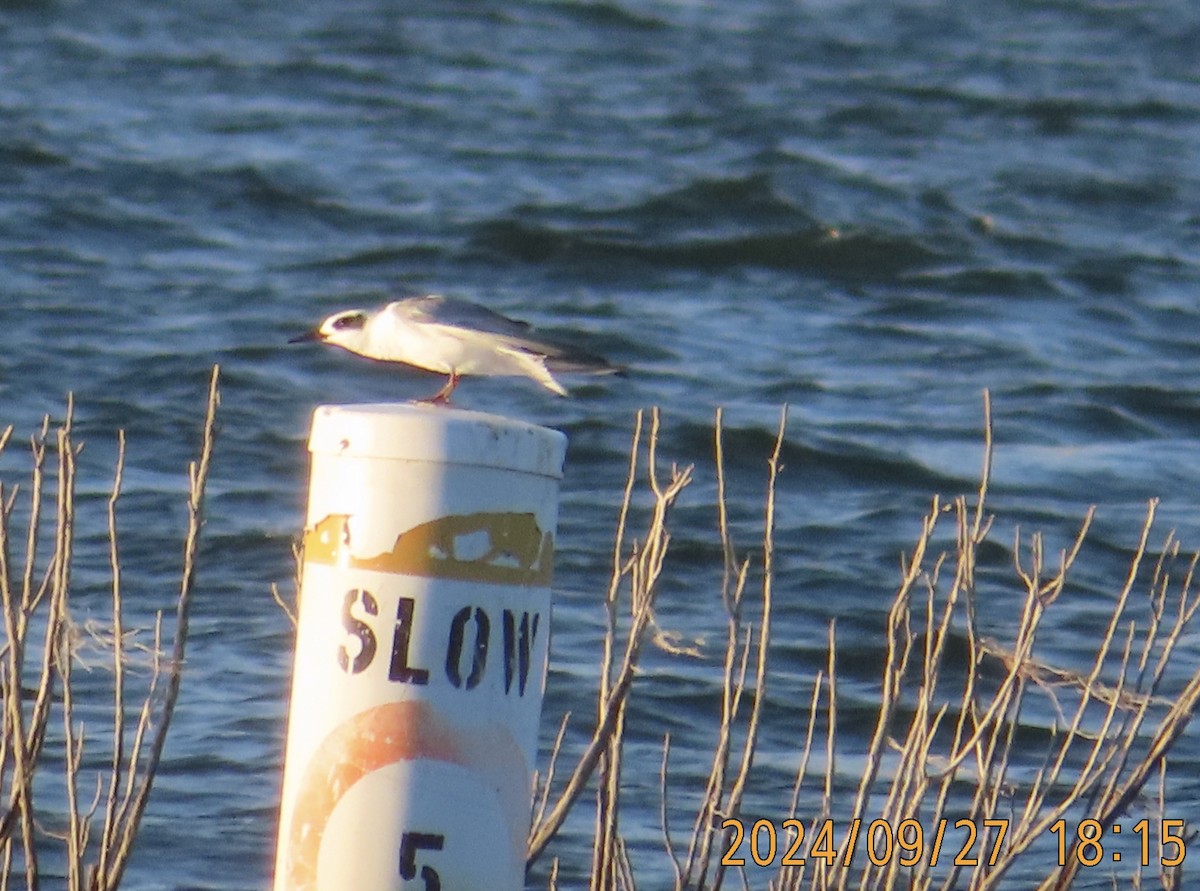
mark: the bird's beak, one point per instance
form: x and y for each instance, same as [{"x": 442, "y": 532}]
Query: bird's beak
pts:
[{"x": 307, "y": 337}]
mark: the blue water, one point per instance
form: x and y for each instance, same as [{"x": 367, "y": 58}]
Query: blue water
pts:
[{"x": 869, "y": 211}]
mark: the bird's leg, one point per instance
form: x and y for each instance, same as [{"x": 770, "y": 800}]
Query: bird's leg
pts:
[{"x": 442, "y": 396}]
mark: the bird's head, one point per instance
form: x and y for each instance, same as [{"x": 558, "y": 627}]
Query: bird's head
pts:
[{"x": 342, "y": 329}]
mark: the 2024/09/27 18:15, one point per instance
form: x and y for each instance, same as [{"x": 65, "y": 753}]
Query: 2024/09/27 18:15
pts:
[{"x": 907, "y": 842}]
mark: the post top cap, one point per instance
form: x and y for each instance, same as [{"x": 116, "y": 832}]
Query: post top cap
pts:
[{"x": 406, "y": 431}]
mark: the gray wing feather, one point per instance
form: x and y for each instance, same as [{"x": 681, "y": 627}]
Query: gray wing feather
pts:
[
  {"x": 461, "y": 314},
  {"x": 454, "y": 313}
]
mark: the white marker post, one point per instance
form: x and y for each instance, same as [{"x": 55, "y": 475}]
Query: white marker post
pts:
[{"x": 421, "y": 650}]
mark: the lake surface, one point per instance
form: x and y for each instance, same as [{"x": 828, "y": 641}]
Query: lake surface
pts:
[{"x": 869, "y": 211}]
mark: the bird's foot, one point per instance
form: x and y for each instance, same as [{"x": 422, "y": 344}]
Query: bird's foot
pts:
[{"x": 442, "y": 396}]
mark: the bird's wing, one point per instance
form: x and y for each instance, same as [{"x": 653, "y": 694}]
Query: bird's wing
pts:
[
  {"x": 472, "y": 319},
  {"x": 453, "y": 313}
]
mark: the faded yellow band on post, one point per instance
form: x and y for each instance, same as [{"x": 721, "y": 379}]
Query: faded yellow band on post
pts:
[{"x": 514, "y": 550}]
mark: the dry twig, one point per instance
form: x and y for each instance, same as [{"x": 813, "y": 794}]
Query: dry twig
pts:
[
  {"x": 944, "y": 753},
  {"x": 39, "y": 610}
]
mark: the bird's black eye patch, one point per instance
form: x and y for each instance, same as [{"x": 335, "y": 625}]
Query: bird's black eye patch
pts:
[{"x": 356, "y": 320}]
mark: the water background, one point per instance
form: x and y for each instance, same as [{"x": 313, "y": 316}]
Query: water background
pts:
[{"x": 871, "y": 211}]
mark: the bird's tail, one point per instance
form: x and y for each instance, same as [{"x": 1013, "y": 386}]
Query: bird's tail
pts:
[
  {"x": 577, "y": 362},
  {"x": 544, "y": 369},
  {"x": 549, "y": 361},
  {"x": 546, "y": 379}
]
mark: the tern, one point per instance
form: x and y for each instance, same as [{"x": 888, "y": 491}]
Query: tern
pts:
[{"x": 455, "y": 338}]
